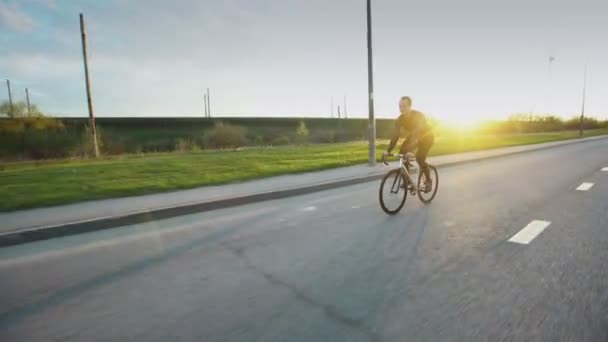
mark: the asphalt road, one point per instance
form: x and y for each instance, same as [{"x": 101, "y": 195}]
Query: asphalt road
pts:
[{"x": 331, "y": 266}]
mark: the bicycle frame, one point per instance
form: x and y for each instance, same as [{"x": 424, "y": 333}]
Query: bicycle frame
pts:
[{"x": 404, "y": 168}]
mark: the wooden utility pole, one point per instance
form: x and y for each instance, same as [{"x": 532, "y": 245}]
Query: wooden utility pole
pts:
[
  {"x": 88, "y": 86},
  {"x": 27, "y": 100},
  {"x": 10, "y": 99}
]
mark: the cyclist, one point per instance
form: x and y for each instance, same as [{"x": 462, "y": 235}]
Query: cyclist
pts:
[{"x": 420, "y": 136}]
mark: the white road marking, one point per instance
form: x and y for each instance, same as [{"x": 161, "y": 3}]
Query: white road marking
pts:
[
  {"x": 311, "y": 208},
  {"x": 530, "y": 232},
  {"x": 584, "y": 186},
  {"x": 355, "y": 207},
  {"x": 605, "y": 169}
]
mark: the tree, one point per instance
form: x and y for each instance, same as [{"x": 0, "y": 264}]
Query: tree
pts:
[
  {"x": 19, "y": 110},
  {"x": 23, "y": 121}
]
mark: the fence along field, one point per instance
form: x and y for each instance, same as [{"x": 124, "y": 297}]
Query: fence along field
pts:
[
  {"x": 50, "y": 138},
  {"x": 68, "y": 136}
]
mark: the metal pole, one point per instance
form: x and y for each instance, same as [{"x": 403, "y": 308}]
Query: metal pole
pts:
[
  {"x": 370, "y": 84},
  {"x": 208, "y": 104},
  {"x": 27, "y": 100},
  {"x": 88, "y": 86},
  {"x": 580, "y": 130},
  {"x": 10, "y": 99},
  {"x": 205, "y": 103}
]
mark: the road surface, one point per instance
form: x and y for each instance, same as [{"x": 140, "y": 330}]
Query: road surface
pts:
[{"x": 509, "y": 250}]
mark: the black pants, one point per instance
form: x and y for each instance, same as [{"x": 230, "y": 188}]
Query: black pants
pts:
[{"x": 422, "y": 151}]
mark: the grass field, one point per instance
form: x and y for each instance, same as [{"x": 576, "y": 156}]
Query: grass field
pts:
[{"x": 37, "y": 184}]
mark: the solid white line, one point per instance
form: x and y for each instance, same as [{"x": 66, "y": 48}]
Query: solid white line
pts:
[
  {"x": 584, "y": 186},
  {"x": 605, "y": 169},
  {"x": 531, "y": 231}
]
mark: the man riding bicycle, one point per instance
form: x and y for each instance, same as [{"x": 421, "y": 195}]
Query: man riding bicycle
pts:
[{"x": 420, "y": 136}]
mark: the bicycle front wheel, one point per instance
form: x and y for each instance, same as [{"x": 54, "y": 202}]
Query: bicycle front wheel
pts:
[
  {"x": 425, "y": 194},
  {"x": 393, "y": 191}
]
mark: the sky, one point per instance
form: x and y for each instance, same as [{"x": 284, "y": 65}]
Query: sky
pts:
[{"x": 461, "y": 61}]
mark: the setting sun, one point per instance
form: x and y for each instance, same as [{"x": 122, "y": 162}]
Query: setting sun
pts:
[{"x": 461, "y": 123}]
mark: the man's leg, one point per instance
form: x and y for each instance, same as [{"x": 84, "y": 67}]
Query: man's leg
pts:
[
  {"x": 424, "y": 147},
  {"x": 406, "y": 143},
  {"x": 404, "y": 150}
]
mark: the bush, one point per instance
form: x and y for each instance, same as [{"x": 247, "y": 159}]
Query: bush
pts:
[
  {"x": 302, "y": 133},
  {"x": 282, "y": 140},
  {"x": 225, "y": 136},
  {"x": 86, "y": 147},
  {"x": 258, "y": 140},
  {"x": 159, "y": 145},
  {"x": 34, "y": 137},
  {"x": 45, "y": 144},
  {"x": 324, "y": 137},
  {"x": 186, "y": 145},
  {"x": 347, "y": 136}
]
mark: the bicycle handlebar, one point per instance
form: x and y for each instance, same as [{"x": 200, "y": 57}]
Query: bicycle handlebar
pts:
[{"x": 398, "y": 155}]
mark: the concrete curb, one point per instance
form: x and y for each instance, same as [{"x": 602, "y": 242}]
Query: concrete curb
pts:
[{"x": 79, "y": 227}]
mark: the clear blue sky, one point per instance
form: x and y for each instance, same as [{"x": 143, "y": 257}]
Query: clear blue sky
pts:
[{"x": 457, "y": 59}]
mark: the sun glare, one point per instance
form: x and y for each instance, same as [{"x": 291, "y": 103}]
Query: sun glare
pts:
[{"x": 461, "y": 123}]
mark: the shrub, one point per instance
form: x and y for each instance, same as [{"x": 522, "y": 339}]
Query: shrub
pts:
[
  {"x": 44, "y": 144},
  {"x": 302, "y": 133},
  {"x": 225, "y": 136},
  {"x": 282, "y": 140},
  {"x": 258, "y": 140},
  {"x": 86, "y": 148},
  {"x": 323, "y": 137},
  {"x": 186, "y": 145}
]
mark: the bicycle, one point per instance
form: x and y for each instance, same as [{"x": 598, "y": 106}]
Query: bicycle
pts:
[{"x": 401, "y": 182}]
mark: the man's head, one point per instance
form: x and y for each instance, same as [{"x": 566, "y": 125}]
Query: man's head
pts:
[{"x": 405, "y": 104}]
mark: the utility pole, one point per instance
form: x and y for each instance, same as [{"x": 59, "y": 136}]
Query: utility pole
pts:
[
  {"x": 205, "y": 103},
  {"x": 27, "y": 100},
  {"x": 208, "y": 104},
  {"x": 338, "y": 111},
  {"x": 10, "y": 99},
  {"x": 580, "y": 130},
  {"x": 345, "y": 112},
  {"x": 370, "y": 85},
  {"x": 88, "y": 86}
]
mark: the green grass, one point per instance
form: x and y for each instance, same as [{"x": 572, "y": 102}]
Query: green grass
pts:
[{"x": 37, "y": 184}]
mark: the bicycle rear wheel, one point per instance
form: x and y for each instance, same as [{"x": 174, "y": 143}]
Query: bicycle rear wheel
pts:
[
  {"x": 393, "y": 192},
  {"x": 427, "y": 196}
]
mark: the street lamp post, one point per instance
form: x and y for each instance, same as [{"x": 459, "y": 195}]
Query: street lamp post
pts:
[{"x": 370, "y": 85}]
